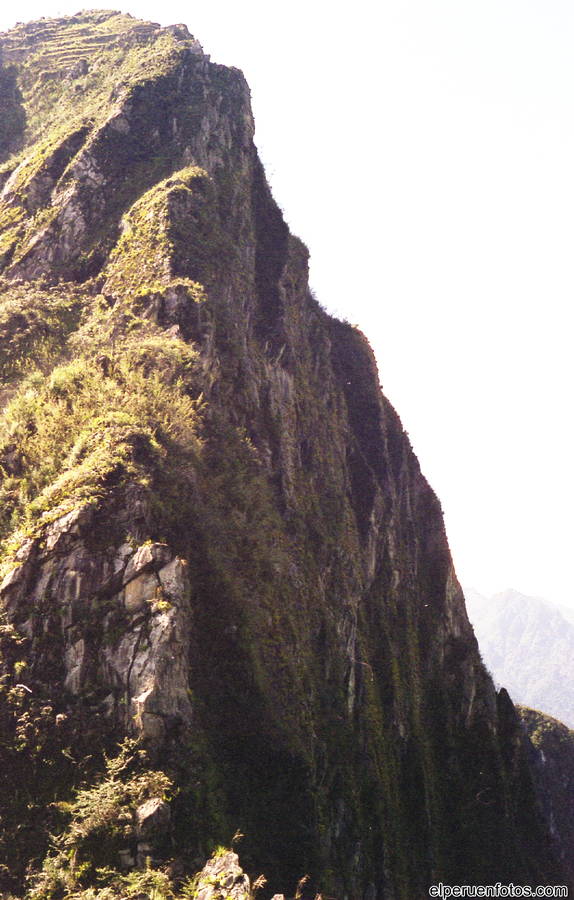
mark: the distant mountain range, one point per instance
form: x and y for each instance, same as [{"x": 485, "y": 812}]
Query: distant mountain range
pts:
[{"x": 528, "y": 645}]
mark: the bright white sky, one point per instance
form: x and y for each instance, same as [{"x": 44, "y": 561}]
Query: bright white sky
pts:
[{"x": 424, "y": 150}]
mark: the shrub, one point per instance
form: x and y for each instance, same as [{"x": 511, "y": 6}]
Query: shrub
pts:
[
  {"x": 99, "y": 818},
  {"x": 34, "y": 325},
  {"x": 67, "y": 439}
]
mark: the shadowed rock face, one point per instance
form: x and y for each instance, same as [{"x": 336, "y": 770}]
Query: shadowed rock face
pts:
[
  {"x": 12, "y": 112},
  {"x": 553, "y": 759},
  {"x": 218, "y": 538}
]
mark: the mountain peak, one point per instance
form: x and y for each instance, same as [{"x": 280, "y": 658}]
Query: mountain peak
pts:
[{"x": 228, "y": 603}]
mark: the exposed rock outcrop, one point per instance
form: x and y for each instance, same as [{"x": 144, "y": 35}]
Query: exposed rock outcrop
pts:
[
  {"x": 222, "y": 878},
  {"x": 118, "y": 620}
]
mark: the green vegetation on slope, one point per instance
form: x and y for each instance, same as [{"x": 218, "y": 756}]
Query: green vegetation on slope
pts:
[
  {"x": 101, "y": 820},
  {"x": 146, "y": 255},
  {"x": 69, "y": 438},
  {"x": 83, "y": 82},
  {"x": 70, "y": 66},
  {"x": 35, "y": 321}
]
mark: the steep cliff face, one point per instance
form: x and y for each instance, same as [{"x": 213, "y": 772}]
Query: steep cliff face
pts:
[
  {"x": 218, "y": 541},
  {"x": 553, "y": 760}
]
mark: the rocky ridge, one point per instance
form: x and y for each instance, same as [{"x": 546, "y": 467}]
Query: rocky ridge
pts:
[{"x": 227, "y": 588}]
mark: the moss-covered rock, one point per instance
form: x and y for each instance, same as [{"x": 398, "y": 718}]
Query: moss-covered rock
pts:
[{"x": 553, "y": 758}]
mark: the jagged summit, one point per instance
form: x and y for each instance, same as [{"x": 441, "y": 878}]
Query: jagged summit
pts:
[
  {"x": 79, "y": 97},
  {"x": 56, "y": 69},
  {"x": 228, "y": 601},
  {"x": 57, "y": 44}
]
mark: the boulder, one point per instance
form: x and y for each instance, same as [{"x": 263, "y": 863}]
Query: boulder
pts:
[
  {"x": 222, "y": 878},
  {"x": 152, "y": 818}
]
